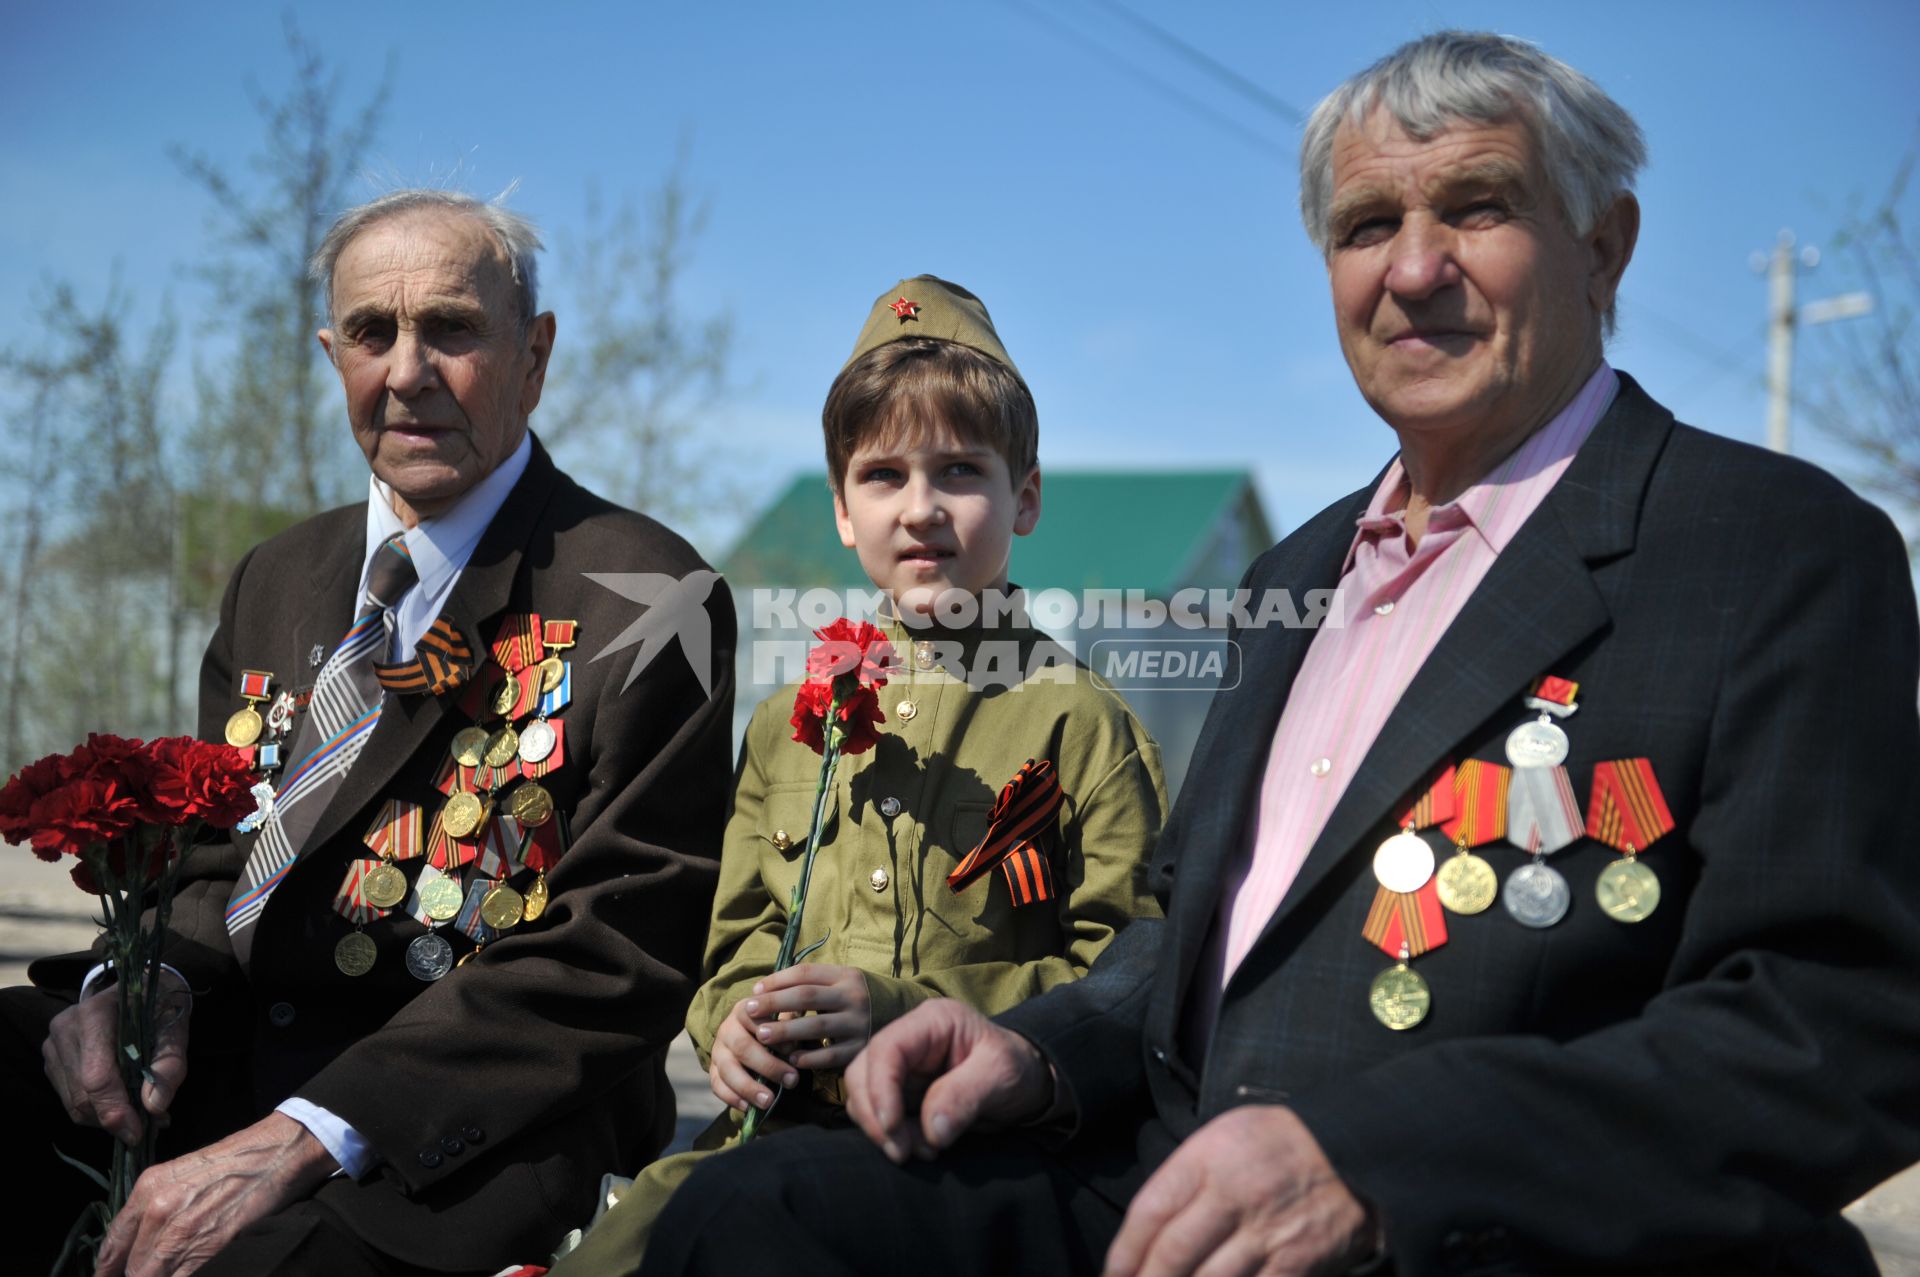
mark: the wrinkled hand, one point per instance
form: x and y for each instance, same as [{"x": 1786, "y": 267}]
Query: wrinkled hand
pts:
[
  {"x": 955, "y": 1066},
  {"x": 1249, "y": 1192},
  {"x": 82, "y": 1060},
  {"x": 183, "y": 1211},
  {"x": 761, "y": 1036}
]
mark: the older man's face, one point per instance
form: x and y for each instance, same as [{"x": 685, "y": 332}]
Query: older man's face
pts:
[
  {"x": 439, "y": 378},
  {"x": 1465, "y": 303}
]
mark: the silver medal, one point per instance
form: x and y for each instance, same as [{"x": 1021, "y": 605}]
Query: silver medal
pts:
[
  {"x": 1536, "y": 895},
  {"x": 536, "y": 741},
  {"x": 1539, "y": 743},
  {"x": 1403, "y": 862},
  {"x": 429, "y": 957}
]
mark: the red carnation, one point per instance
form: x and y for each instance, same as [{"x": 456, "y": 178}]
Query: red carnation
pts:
[
  {"x": 32, "y": 782},
  {"x": 196, "y": 780},
  {"x": 810, "y": 705},
  {"x": 860, "y": 720},
  {"x": 851, "y": 647},
  {"x": 86, "y": 810}
]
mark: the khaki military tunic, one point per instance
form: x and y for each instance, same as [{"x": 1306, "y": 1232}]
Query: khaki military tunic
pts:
[{"x": 961, "y": 718}]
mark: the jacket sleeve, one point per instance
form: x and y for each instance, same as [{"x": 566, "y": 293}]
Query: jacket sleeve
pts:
[
  {"x": 744, "y": 937},
  {"x": 550, "y": 1019},
  {"x": 1771, "y": 1080},
  {"x": 1107, "y": 840}
]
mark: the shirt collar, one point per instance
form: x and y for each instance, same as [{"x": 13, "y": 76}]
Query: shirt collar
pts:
[
  {"x": 441, "y": 546},
  {"x": 1497, "y": 505}
]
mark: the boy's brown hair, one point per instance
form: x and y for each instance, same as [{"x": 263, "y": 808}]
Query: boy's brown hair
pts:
[{"x": 924, "y": 383}]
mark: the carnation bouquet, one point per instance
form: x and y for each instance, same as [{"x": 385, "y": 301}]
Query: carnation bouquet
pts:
[
  {"x": 835, "y": 712},
  {"x": 127, "y": 812}
]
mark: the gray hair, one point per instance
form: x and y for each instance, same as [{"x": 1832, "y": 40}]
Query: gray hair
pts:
[
  {"x": 1591, "y": 146},
  {"x": 517, "y": 237}
]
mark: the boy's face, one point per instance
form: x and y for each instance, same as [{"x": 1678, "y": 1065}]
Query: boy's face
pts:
[{"x": 930, "y": 512}]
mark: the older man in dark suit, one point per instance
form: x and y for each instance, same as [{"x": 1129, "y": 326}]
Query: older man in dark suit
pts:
[
  {"x": 435, "y": 981},
  {"x": 1557, "y": 913}
]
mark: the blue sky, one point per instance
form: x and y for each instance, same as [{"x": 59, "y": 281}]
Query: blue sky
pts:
[{"x": 1129, "y": 220}]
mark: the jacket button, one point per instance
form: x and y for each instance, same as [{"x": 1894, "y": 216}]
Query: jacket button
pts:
[
  {"x": 923, "y": 654},
  {"x": 280, "y": 1014},
  {"x": 1159, "y": 1055},
  {"x": 878, "y": 880},
  {"x": 889, "y": 807},
  {"x": 782, "y": 840},
  {"x": 454, "y": 1145},
  {"x": 475, "y": 1135},
  {"x": 431, "y": 1159}
]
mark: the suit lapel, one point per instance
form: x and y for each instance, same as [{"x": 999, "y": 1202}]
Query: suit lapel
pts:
[
  {"x": 483, "y": 591},
  {"x": 1537, "y": 603},
  {"x": 1232, "y": 757}
]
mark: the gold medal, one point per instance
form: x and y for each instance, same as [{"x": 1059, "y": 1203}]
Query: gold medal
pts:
[
  {"x": 1399, "y": 997},
  {"x": 503, "y": 907},
  {"x": 535, "y": 899},
  {"x": 441, "y": 899},
  {"x": 356, "y": 952},
  {"x": 1628, "y": 891},
  {"x": 1467, "y": 884},
  {"x": 469, "y": 745},
  {"x": 502, "y": 747},
  {"x": 384, "y": 887},
  {"x": 531, "y": 804},
  {"x": 462, "y": 814},
  {"x": 244, "y": 726},
  {"x": 507, "y": 697},
  {"x": 552, "y": 670}
]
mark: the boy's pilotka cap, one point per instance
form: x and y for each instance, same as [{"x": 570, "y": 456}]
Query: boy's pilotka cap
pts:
[{"x": 926, "y": 306}]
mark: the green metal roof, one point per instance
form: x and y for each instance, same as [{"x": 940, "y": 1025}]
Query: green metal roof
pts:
[{"x": 1151, "y": 530}]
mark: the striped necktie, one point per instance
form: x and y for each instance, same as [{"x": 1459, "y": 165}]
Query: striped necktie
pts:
[{"x": 340, "y": 717}]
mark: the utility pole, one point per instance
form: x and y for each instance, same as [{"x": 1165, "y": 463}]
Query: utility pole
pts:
[{"x": 1782, "y": 319}]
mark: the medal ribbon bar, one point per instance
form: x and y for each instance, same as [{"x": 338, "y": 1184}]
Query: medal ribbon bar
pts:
[
  {"x": 1406, "y": 924},
  {"x": 518, "y": 643},
  {"x": 1480, "y": 803},
  {"x": 350, "y": 902},
  {"x": 470, "y": 922},
  {"x": 1542, "y": 814},
  {"x": 1627, "y": 811}
]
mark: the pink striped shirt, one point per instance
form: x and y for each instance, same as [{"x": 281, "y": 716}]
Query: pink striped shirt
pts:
[{"x": 1397, "y": 602}]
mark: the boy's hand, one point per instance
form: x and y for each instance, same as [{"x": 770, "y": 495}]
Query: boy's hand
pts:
[
  {"x": 739, "y": 1061},
  {"x": 840, "y": 1022}
]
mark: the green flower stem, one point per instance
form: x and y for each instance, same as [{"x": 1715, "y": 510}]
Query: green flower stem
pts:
[{"x": 797, "y": 905}]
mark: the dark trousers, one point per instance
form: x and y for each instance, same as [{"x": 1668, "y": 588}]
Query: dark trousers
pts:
[
  {"x": 828, "y": 1202},
  {"x": 47, "y": 1196}
]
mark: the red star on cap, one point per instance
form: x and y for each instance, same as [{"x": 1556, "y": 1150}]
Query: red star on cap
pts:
[{"x": 905, "y": 309}]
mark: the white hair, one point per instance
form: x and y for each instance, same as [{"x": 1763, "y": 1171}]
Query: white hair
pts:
[
  {"x": 1590, "y": 145},
  {"x": 518, "y": 238}
]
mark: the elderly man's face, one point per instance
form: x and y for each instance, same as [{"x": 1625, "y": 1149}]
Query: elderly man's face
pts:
[
  {"x": 439, "y": 378},
  {"x": 1465, "y": 302}
]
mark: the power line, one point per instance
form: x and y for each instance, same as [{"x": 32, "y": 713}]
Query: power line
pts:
[
  {"x": 1258, "y": 141},
  {"x": 1211, "y": 65}
]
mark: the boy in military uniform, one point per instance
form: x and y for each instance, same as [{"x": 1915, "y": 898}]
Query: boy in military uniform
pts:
[{"x": 931, "y": 439}]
